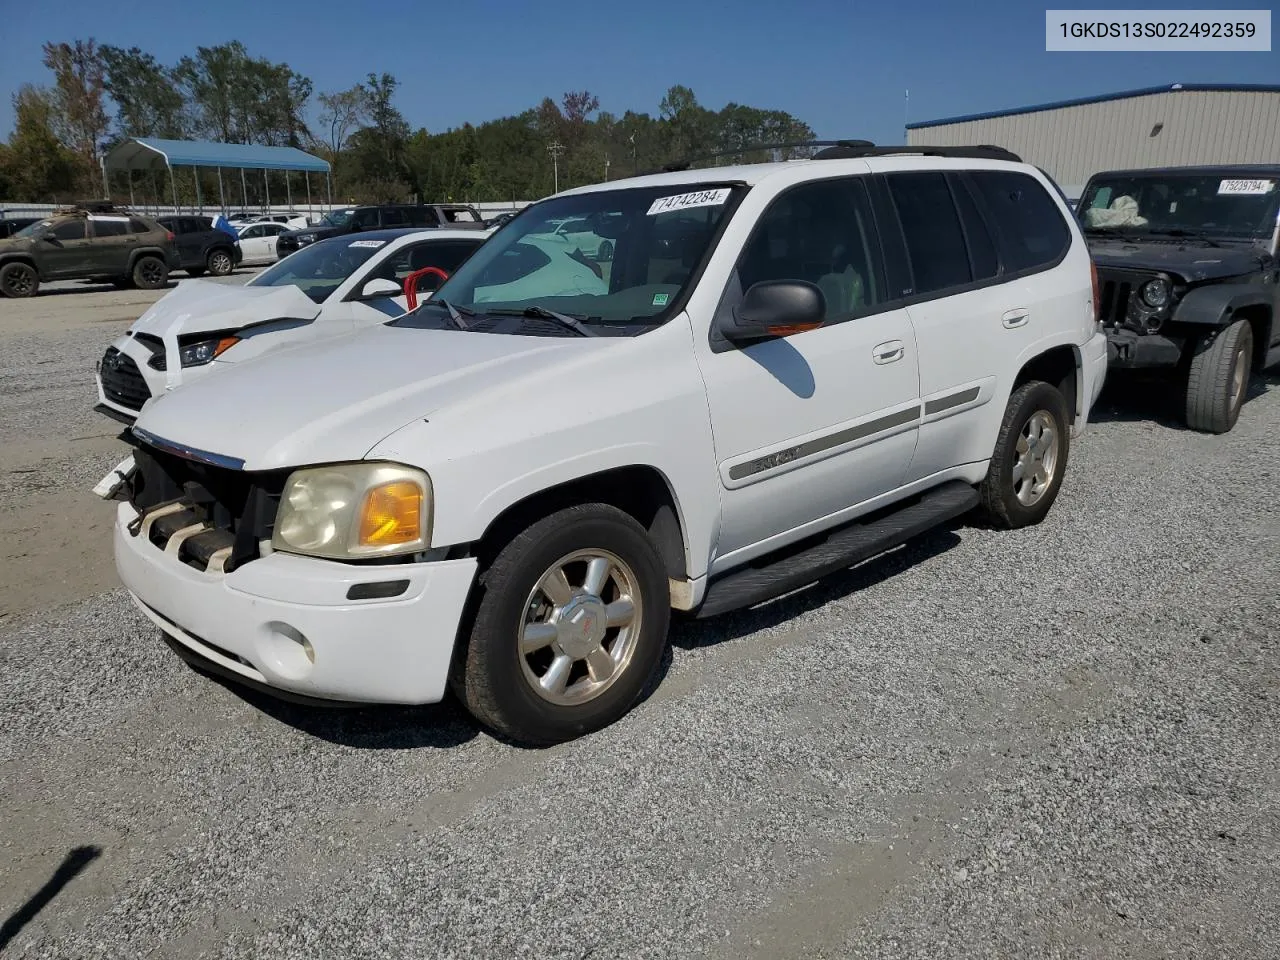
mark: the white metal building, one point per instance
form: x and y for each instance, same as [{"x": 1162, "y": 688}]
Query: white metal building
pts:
[{"x": 1177, "y": 124}]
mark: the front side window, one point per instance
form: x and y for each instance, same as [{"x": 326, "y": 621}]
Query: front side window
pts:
[
  {"x": 70, "y": 230},
  {"x": 819, "y": 233},
  {"x": 319, "y": 269},
  {"x": 1220, "y": 206},
  {"x": 652, "y": 242},
  {"x": 931, "y": 227}
]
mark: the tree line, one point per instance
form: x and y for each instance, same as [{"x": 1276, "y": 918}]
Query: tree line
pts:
[{"x": 100, "y": 95}]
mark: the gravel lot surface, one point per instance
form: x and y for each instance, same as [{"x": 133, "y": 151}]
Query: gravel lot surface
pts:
[{"x": 1055, "y": 743}]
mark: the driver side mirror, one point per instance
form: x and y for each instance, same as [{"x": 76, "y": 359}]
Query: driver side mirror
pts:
[
  {"x": 776, "y": 308},
  {"x": 380, "y": 287}
]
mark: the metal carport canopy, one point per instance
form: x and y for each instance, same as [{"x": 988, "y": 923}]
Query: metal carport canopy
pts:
[{"x": 149, "y": 153}]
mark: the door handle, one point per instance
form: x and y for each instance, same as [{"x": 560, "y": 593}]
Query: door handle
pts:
[
  {"x": 1015, "y": 318},
  {"x": 888, "y": 352}
]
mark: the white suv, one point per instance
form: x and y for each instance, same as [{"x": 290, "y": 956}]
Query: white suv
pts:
[{"x": 783, "y": 370}]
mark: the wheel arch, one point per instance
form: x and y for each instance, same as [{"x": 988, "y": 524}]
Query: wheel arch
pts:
[
  {"x": 640, "y": 490},
  {"x": 1061, "y": 366}
]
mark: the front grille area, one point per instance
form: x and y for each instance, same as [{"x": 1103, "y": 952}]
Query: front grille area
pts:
[
  {"x": 122, "y": 380},
  {"x": 211, "y": 518}
]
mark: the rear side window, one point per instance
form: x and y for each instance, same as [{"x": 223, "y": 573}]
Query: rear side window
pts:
[
  {"x": 1029, "y": 226},
  {"x": 931, "y": 227},
  {"x": 69, "y": 230},
  {"x": 110, "y": 228}
]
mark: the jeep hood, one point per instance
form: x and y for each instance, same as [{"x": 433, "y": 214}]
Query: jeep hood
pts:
[
  {"x": 1193, "y": 262},
  {"x": 197, "y": 306},
  {"x": 334, "y": 400}
]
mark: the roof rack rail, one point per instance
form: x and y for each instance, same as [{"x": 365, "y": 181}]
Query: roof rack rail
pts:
[
  {"x": 983, "y": 151},
  {"x": 677, "y": 166}
]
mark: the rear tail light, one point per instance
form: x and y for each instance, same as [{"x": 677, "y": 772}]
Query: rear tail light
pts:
[{"x": 1097, "y": 292}]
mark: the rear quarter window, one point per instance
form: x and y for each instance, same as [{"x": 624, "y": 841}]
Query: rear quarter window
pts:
[{"x": 1030, "y": 229}]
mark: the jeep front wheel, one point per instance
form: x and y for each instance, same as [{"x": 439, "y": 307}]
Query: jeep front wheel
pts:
[
  {"x": 570, "y": 626},
  {"x": 1030, "y": 457},
  {"x": 150, "y": 273},
  {"x": 19, "y": 280},
  {"x": 1218, "y": 378}
]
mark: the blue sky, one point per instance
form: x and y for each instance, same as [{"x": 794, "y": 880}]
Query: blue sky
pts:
[{"x": 840, "y": 65}]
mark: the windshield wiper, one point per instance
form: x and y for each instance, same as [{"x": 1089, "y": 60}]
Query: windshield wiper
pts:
[
  {"x": 455, "y": 313},
  {"x": 542, "y": 313},
  {"x": 1179, "y": 232}
]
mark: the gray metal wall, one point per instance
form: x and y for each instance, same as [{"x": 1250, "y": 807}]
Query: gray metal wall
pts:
[{"x": 1073, "y": 142}]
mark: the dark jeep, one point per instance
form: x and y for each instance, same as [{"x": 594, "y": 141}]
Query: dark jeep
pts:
[
  {"x": 91, "y": 242},
  {"x": 1187, "y": 273}
]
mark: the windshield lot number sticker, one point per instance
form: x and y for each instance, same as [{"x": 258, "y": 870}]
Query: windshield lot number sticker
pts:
[
  {"x": 366, "y": 243},
  {"x": 1246, "y": 187},
  {"x": 699, "y": 198}
]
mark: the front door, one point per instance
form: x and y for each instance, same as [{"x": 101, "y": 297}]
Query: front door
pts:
[
  {"x": 65, "y": 250},
  {"x": 809, "y": 425}
]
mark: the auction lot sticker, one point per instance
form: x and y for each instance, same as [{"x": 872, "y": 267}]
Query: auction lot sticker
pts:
[
  {"x": 1246, "y": 187},
  {"x": 699, "y": 198}
]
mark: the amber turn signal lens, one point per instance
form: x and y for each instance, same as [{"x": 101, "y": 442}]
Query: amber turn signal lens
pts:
[{"x": 391, "y": 514}]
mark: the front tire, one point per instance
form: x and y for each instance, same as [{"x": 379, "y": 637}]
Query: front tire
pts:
[
  {"x": 570, "y": 625},
  {"x": 1218, "y": 378},
  {"x": 1030, "y": 457},
  {"x": 19, "y": 280},
  {"x": 150, "y": 273}
]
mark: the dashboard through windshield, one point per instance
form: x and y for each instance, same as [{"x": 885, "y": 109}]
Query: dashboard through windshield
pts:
[
  {"x": 1220, "y": 206},
  {"x": 617, "y": 258}
]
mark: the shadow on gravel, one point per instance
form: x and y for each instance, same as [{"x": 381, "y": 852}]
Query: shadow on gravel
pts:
[
  {"x": 689, "y": 634},
  {"x": 441, "y": 725},
  {"x": 72, "y": 865},
  {"x": 1136, "y": 396}
]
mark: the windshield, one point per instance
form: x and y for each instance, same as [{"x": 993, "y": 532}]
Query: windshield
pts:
[
  {"x": 319, "y": 269},
  {"x": 626, "y": 262},
  {"x": 1221, "y": 206},
  {"x": 337, "y": 218},
  {"x": 33, "y": 229}
]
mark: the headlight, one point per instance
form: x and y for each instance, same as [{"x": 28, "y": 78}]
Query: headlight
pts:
[
  {"x": 198, "y": 354},
  {"x": 1155, "y": 293},
  {"x": 354, "y": 510}
]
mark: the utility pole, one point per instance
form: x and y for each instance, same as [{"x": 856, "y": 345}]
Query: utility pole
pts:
[{"x": 556, "y": 148}]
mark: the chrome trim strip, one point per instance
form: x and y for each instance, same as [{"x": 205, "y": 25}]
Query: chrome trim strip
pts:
[
  {"x": 187, "y": 453},
  {"x": 809, "y": 448},
  {"x": 954, "y": 400}
]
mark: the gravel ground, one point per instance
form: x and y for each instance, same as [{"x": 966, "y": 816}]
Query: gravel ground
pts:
[{"x": 1055, "y": 743}]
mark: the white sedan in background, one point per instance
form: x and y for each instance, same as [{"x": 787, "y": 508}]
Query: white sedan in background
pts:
[
  {"x": 258, "y": 243},
  {"x": 330, "y": 288}
]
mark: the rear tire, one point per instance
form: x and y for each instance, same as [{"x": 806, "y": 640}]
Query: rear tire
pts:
[
  {"x": 219, "y": 263},
  {"x": 19, "y": 280},
  {"x": 150, "y": 273},
  {"x": 1030, "y": 457},
  {"x": 603, "y": 638},
  {"x": 1218, "y": 378}
]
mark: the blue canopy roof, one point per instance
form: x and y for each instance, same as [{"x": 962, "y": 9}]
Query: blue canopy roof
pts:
[{"x": 149, "y": 153}]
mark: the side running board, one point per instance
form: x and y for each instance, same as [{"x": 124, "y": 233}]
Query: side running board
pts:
[{"x": 839, "y": 550}]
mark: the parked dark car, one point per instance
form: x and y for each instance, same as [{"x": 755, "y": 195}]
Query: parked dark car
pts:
[
  {"x": 202, "y": 247},
  {"x": 1189, "y": 277},
  {"x": 381, "y": 217},
  {"x": 11, "y": 225},
  {"x": 101, "y": 243}
]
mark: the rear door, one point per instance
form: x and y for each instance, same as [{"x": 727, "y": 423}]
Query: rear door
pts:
[{"x": 113, "y": 241}]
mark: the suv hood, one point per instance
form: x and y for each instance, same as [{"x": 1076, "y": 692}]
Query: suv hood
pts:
[
  {"x": 1192, "y": 261},
  {"x": 334, "y": 400}
]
